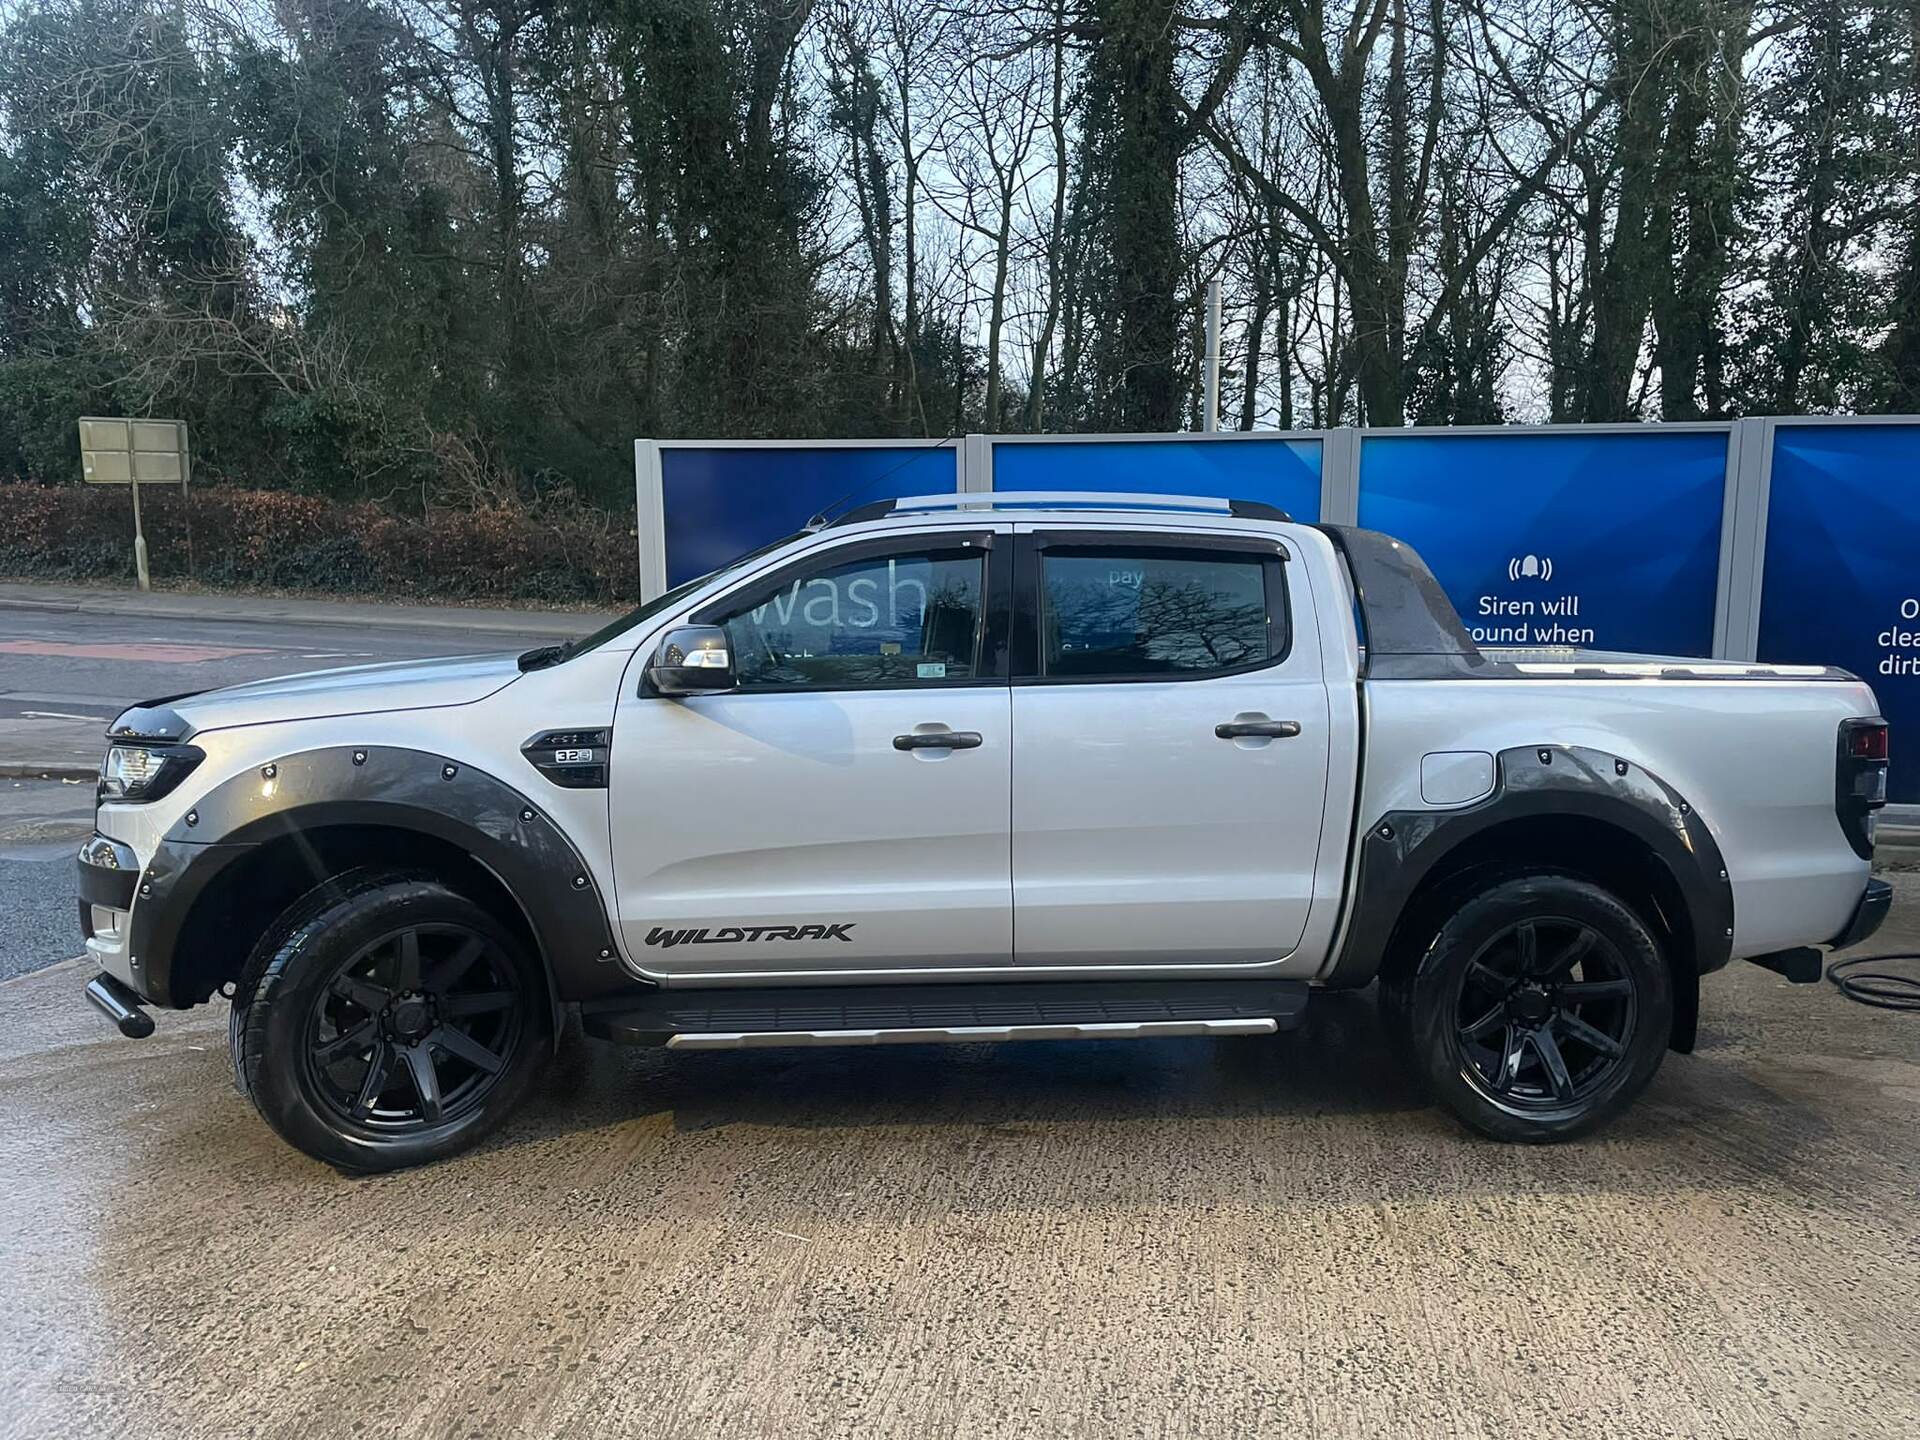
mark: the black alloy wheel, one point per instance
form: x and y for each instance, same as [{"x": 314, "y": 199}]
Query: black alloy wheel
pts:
[
  {"x": 415, "y": 1028},
  {"x": 1546, "y": 1014},
  {"x": 1541, "y": 1006},
  {"x": 386, "y": 1019}
]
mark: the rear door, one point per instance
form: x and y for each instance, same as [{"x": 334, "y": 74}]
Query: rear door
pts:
[
  {"x": 1170, "y": 760},
  {"x": 846, "y": 807}
]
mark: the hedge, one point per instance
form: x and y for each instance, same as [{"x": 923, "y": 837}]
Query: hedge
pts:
[{"x": 274, "y": 540}]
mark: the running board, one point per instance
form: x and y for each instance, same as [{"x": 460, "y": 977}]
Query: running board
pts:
[
  {"x": 969, "y": 1034},
  {"x": 985, "y": 1012}
]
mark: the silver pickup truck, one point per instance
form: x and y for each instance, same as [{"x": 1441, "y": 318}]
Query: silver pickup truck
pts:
[{"x": 980, "y": 768}]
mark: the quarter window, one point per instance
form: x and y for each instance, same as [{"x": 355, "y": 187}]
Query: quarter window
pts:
[
  {"x": 911, "y": 618},
  {"x": 1137, "y": 612}
]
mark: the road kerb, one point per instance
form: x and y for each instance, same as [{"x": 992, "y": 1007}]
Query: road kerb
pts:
[{"x": 59, "y": 770}]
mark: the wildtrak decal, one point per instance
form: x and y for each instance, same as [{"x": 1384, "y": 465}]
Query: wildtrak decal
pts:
[{"x": 741, "y": 934}]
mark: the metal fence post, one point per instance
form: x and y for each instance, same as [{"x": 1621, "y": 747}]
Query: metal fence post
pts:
[
  {"x": 1743, "y": 540},
  {"x": 1340, "y": 476},
  {"x": 975, "y": 464},
  {"x": 650, "y": 518}
]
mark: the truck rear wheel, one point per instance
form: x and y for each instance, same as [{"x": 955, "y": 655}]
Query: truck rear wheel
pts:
[
  {"x": 1540, "y": 1010},
  {"x": 385, "y": 1021}
]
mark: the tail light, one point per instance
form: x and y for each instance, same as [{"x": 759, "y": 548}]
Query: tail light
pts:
[{"x": 1860, "y": 780}]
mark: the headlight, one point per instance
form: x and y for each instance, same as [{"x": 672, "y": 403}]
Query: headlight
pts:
[{"x": 135, "y": 774}]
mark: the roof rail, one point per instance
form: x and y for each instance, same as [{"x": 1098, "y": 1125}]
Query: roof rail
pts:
[{"x": 1062, "y": 500}]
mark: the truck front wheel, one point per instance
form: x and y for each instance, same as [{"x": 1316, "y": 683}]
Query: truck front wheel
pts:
[
  {"x": 386, "y": 1020},
  {"x": 1540, "y": 1009}
]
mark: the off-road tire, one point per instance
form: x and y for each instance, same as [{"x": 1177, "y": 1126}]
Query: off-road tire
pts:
[
  {"x": 1620, "y": 992},
  {"x": 293, "y": 971}
]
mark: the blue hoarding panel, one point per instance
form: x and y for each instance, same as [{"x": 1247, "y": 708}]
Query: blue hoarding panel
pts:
[
  {"x": 1278, "y": 472},
  {"x": 1603, "y": 541},
  {"x": 1842, "y": 578},
  {"x": 720, "y": 502}
]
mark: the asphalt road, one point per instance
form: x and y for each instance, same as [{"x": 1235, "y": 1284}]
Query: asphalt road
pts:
[
  {"x": 86, "y": 668},
  {"x": 40, "y": 824},
  {"x": 64, "y": 676}
]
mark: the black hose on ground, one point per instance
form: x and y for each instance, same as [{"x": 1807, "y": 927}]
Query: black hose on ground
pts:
[{"x": 1884, "y": 989}]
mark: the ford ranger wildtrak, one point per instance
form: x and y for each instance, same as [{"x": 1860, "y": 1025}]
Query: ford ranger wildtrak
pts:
[{"x": 980, "y": 768}]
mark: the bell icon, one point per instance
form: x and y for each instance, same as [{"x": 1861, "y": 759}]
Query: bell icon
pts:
[{"x": 1530, "y": 568}]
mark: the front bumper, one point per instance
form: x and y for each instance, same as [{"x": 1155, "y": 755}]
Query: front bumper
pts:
[
  {"x": 1868, "y": 915},
  {"x": 131, "y": 915},
  {"x": 109, "y": 880}
]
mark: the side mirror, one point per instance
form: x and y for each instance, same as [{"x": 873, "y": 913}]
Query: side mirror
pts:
[{"x": 692, "y": 660}]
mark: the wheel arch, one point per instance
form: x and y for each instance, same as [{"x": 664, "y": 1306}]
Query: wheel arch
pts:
[
  {"x": 225, "y": 918},
  {"x": 1569, "y": 809},
  {"x": 281, "y": 830}
]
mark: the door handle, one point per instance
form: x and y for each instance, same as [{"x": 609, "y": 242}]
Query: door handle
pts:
[
  {"x": 1254, "y": 729},
  {"x": 938, "y": 740}
]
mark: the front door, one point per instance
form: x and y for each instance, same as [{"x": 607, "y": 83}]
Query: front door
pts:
[
  {"x": 847, "y": 806},
  {"x": 1170, "y": 752}
]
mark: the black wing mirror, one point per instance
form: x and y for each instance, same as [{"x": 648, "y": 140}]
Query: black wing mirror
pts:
[{"x": 692, "y": 660}]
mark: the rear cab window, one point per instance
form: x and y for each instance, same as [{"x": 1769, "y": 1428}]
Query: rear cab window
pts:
[{"x": 1137, "y": 608}]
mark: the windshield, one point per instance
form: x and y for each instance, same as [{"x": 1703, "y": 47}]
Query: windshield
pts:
[{"x": 556, "y": 654}]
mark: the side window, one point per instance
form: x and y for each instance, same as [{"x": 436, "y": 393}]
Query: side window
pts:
[
  {"x": 1133, "y": 611},
  {"x": 909, "y": 618}
]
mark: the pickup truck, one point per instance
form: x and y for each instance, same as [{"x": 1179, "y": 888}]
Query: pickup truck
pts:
[{"x": 980, "y": 768}]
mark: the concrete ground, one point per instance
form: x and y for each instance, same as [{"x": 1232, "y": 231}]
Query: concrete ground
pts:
[{"x": 1181, "y": 1238}]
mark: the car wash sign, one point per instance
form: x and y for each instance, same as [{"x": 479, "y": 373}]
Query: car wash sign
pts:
[{"x": 1591, "y": 540}]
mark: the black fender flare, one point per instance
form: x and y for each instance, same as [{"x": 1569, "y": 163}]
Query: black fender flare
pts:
[
  {"x": 395, "y": 788},
  {"x": 1401, "y": 849}
]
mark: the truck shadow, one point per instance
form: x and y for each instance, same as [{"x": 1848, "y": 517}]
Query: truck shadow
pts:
[
  {"x": 1335, "y": 1087},
  {"x": 1326, "y": 1115},
  {"x": 1337, "y": 1063}
]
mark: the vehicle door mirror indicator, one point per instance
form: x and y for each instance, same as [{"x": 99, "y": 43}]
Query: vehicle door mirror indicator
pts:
[{"x": 692, "y": 660}]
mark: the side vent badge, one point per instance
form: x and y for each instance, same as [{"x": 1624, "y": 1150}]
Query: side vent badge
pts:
[{"x": 571, "y": 759}]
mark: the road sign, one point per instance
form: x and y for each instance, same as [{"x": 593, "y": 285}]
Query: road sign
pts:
[
  {"x": 134, "y": 453},
  {"x": 129, "y": 452}
]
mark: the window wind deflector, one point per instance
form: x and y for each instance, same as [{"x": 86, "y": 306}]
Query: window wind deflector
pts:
[{"x": 541, "y": 656}]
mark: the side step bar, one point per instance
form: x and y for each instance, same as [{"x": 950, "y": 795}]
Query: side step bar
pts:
[
  {"x": 968, "y": 1034},
  {"x": 986, "y": 1012}
]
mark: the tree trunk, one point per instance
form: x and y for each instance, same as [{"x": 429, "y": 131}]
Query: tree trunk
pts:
[
  {"x": 502, "y": 119},
  {"x": 997, "y": 306},
  {"x": 1057, "y": 227},
  {"x": 1902, "y": 352},
  {"x": 1134, "y": 64},
  {"x": 911, "y": 401},
  {"x": 1377, "y": 309},
  {"x": 1256, "y": 341},
  {"x": 1284, "y": 355},
  {"x": 1400, "y": 198},
  {"x": 1806, "y": 295},
  {"x": 1624, "y": 286},
  {"x": 1696, "y": 220}
]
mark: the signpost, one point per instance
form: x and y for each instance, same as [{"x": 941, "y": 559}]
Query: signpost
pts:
[{"x": 134, "y": 453}]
